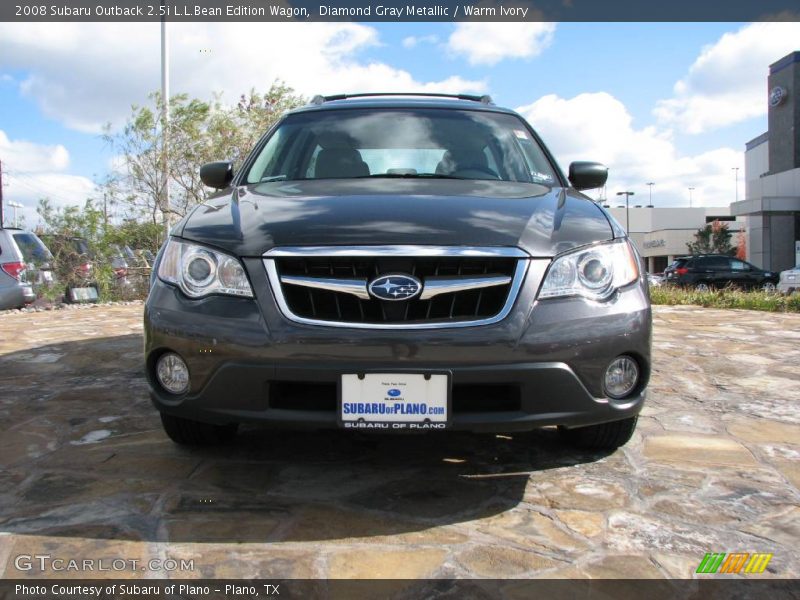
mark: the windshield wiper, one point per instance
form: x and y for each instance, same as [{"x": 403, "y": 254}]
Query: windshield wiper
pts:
[{"x": 273, "y": 178}]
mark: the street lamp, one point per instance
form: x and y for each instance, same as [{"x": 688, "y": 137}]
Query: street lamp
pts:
[
  {"x": 736, "y": 175},
  {"x": 627, "y": 209},
  {"x": 15, "y": 206},
  {"x": 650, "y": 184},
  {"x": 690, "y": 196},
  {"x": 165, "y": 115}
]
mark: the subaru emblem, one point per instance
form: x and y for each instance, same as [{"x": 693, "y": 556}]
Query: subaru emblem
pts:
[
  {"x": 394, "y": 392},
  {"x": 395, "y": 287}
]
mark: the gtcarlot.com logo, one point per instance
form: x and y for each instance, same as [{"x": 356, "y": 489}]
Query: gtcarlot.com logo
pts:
[
  {"x": 735, "y": 562},
  {"x": 47, "y": 562}
]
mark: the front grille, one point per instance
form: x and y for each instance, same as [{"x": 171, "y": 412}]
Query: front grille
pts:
[{"x": 327, "y": 306}]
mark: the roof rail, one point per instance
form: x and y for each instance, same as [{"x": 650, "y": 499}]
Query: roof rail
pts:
[{"x": 484, "y": 99}]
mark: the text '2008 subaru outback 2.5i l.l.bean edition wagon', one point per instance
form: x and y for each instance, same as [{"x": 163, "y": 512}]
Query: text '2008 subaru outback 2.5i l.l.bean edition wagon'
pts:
[{"x": 399, "y": 263}]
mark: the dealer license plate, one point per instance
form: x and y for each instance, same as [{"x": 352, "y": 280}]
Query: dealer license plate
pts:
[
  {"x": 393, "y": 401},
  {"x": 86, "y": 294}
]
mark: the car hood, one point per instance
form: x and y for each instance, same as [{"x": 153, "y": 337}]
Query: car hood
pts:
[{"x": 541, "y": 220}]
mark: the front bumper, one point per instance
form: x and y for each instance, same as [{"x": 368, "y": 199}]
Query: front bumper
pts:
[{"x": 542, "y": 365}]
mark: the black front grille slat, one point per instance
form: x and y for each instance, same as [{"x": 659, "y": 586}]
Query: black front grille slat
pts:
[{"x": 326, "y": 305}]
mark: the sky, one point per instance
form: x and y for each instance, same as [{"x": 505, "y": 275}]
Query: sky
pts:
[{"x": 668, "y": 103}]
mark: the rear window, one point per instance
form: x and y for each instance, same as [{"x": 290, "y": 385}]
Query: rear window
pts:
[
  {"x": 32, "y": 248},
  {"x": 679, "y": 262}
]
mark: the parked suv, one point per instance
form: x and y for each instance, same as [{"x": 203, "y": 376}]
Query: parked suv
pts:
[
  {"x": 24, "y": 262},
  {"x": 399, "y": 263},
  {"x": 706, "y": 271}
]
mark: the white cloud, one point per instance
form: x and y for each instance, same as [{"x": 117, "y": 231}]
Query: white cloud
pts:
[
  {"x": 489, "y": 43},
  {"x": 27, "y": 156},
  {"x": 597, "y": 126},
  {"x": 727, "y": 82},
  {"x": 87, "y": 74},
  {"x": 33, "y": 171},
  {"x": 413, "y": 41}
]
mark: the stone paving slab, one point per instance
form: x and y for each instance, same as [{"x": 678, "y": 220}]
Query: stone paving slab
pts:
[{"x": 86, "y": 472}]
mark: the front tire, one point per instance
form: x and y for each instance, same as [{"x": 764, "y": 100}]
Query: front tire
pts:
[
  {"x": 193, "y": 433},
  {"x": 768, "y": 287},
  {"x": 606, "y": 436}
]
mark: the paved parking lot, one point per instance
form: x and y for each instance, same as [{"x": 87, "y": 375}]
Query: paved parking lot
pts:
[{"x": 86, "y": 472}]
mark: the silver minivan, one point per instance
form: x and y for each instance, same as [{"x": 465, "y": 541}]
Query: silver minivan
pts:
[{"x": 24, "y": 263}]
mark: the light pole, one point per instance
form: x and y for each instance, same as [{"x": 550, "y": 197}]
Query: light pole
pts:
[
  {"x": 650, "y": 184},
  {"x": 15, "y": 206},
  {"x": 627, "y": 209},
  {"x": 690, "y": 196},
  {"x": 736, "y": 176},
  {"x": 165, "y": 114}
]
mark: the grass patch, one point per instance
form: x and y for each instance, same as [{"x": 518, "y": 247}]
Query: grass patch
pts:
[{"x": 725, "y": 298}]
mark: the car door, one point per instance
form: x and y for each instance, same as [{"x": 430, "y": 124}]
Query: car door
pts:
[
  {"x": 742, "y": 274},
  {"x": 715, "y": 269}
]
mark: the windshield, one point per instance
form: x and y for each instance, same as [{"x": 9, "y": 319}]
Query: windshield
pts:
[{"x": 433, "y": 143}]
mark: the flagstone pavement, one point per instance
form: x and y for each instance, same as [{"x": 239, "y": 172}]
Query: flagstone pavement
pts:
[{"x": 86, "y": 472}]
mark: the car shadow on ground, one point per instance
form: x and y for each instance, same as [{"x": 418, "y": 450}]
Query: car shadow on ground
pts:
[{"x": 84, "y": 456}]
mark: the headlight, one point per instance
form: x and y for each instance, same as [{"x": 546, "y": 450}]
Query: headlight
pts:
[
  {"x": 200, "y": 271},
  {"x": 593, "y": 272}
]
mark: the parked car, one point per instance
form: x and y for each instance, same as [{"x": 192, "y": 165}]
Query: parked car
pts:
[
  {"x": 399, "y": 263},
  {"x": 24, "y": 264},
  {"x": 74, "y": 262},
  {"x": 789, "y": 282},
  {"x": 708, "y": 271},
  {"x": 655, "y": 279}
]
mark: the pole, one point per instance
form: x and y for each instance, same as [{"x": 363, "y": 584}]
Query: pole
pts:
[
  {"x": 627, "y": 209},
  {"x": 165, "y": 118},
  {"x": 736, "y": 176},
  {"x": 690, "y": 196},
  {"x": 15, "y": 206},
  {"x": 1, "y": 195},
  {"x": 650, "y": 185}
]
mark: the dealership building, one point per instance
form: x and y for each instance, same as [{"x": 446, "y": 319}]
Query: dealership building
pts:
[
  {"x": 661, "y": 234},
  {"x": 769, "y": 214},
  {"x": 771, "y": 207}
]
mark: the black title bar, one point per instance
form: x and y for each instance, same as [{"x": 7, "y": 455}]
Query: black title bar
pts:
[{"x": 398, "y": 10}]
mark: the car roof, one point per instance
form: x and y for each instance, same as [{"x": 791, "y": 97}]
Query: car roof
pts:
[
  {"x": 687, "y": 256},
  {"x": 402, "y": 100}
]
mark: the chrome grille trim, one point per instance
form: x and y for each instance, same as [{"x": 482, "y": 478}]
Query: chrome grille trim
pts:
[
  {"x": 523, "y": 263},
  {"x": 356, "y": 287},
  {"x": 410, "y": 251},
  {"x": 434, "y": 286}
]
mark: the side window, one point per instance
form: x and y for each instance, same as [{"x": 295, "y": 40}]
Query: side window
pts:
[
  {"x": 714, "y": 263},
  {"x": 738, "y": 265}
]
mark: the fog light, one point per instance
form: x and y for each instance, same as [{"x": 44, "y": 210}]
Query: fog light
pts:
[
  {"x": 172, "y": 373},
  {"x": 622, "y": 375}
]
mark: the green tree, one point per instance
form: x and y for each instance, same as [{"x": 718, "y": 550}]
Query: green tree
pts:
[
  {"x": 714, "y": 238},
  {"x": 198, "y": 132}
]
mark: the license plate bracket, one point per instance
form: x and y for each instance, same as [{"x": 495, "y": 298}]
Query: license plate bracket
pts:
[{"x": 395, "y": 401}]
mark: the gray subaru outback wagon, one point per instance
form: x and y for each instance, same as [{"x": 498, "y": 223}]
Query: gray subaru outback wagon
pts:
[{"x": 409, "y": 263}]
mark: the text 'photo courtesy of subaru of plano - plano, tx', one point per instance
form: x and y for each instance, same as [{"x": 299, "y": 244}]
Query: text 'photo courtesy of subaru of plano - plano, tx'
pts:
[{"x": 399, "y": 263}]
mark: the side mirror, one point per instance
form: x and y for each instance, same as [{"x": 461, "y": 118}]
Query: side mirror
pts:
[
  {"x": 217, "y": 175},
  {"x": 584, "y": 175}
]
